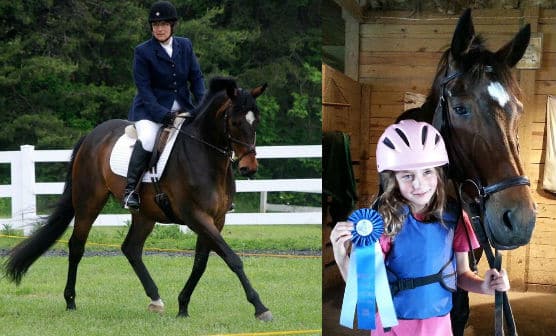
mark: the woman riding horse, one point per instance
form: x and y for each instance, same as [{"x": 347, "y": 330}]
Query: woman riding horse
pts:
[{"x": 162, "y": 67}]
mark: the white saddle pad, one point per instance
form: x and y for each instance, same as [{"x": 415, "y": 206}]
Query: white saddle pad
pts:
[{"x": 121, "y": 154}]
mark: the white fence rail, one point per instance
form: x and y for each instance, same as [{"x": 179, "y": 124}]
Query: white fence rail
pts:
[{"x": 24, "y": 189}]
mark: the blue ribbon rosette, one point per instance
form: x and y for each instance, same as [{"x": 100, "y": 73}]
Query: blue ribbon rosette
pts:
[{"x": 367, "y": 284}]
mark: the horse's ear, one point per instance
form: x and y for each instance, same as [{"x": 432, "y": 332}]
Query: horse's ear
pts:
[
  {"x": 512, "y": 52},
  {"x": 258, "y": 90},
  {"x": 463, "y": 35}
]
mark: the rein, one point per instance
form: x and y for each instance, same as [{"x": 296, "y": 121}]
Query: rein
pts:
[
  {"x": 477, "y": 208},
  {"x": 227, "y": 152}
]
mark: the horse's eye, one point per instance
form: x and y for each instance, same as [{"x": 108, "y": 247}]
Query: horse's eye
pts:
[{"x": 460, "y": 110}]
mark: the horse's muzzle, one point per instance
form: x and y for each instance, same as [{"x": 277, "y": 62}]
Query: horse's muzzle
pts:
[{"x": 247, "y": 172}]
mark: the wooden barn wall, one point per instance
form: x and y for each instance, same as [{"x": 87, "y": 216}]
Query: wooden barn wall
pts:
[{"x": 399, "y": 55}]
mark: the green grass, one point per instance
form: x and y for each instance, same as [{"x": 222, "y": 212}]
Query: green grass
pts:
[
  {"x": 110, "y": 300},
  {"x": 239, "y": 237}
]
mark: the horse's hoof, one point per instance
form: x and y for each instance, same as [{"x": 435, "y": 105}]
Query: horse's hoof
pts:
[
  {"x": 182, "y": 315},
  {"x": 156, "y": 306},
  {"x": 265, "y": 317}
]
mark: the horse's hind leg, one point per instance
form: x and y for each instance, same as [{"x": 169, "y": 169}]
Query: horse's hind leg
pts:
[
  {"x": 133, "y": 250},
  {"x": 84, "y": 218},
  {"x": 202, "y": 251}
]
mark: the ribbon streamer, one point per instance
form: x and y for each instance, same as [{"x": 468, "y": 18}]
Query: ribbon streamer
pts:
[{"x": 367, "y": 275}]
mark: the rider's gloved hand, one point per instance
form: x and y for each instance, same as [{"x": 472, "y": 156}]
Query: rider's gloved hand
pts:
[{"x": 169, "y": 118}]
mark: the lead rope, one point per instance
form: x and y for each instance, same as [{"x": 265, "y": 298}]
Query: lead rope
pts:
[{"x": 502, "y": 308}]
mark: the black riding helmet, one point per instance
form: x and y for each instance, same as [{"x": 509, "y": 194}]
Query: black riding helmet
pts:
[{"x": 163, "y": 11}]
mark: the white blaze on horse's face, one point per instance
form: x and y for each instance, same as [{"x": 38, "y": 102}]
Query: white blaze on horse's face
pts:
[
  {"x": 498, "y": 93},
  {"x": 250, "y": 117}
]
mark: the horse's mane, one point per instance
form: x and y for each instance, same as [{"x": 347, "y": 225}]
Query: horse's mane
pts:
[{"x": 217, "y": 90}]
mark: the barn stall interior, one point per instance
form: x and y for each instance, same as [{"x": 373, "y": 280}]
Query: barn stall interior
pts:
[{"x": 380, "y": 57}]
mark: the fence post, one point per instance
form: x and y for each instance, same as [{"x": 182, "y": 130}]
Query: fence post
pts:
[
  {"x": 263, "y": 201},
  {"x": 24, "y": 204}
]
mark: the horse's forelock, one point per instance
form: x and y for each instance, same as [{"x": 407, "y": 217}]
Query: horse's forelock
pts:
[{"x": 478, "y": 63}]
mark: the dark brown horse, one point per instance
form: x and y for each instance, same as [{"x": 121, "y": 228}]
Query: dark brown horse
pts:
[
  {"x": 474, "y": 102},
  {"x": 198, "y": 180}
]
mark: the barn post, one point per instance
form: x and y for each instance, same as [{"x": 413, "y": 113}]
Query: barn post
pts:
[{"x": 518, "y": 259}]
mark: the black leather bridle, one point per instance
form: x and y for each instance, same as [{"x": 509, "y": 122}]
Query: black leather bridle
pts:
[
  {"x": 228, "y": 151},
  {"x": 477, "y": 204}
]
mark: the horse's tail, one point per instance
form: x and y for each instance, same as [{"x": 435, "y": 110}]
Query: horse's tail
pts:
[{"x": 28, "y": 251}]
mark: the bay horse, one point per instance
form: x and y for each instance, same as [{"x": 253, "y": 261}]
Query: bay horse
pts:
[
  {"x": 198, "y": 181},
  {"x": 474, "y": 103}
]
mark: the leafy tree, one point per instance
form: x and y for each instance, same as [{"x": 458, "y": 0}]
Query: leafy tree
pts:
[{"x": 66, "y": 66}]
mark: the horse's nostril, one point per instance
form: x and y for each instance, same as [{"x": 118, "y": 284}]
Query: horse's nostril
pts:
[
  {"x": 507, "y": 219},
  {"x": 245, "y": 171}
]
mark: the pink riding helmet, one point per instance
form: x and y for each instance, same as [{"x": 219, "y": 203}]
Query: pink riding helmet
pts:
[{"x": 410, "y": 145}]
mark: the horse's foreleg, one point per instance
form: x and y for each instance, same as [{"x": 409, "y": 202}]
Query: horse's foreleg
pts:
[
  {"x": 202, "y": 251},
  {"x": 236, "y": 265},
  {"x": 132, "y": 248}
]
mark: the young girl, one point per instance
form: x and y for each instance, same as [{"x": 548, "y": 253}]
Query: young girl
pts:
[{"x": 424, "y": 241}]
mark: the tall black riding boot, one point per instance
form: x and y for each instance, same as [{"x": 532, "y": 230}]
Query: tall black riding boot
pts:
[{"x": 137, "y": 164}]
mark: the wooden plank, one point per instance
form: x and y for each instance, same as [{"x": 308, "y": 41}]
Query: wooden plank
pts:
[
  {"x": 387, "y": 98},
  {"x": 400, "y": 72},
  {"x": 365, "y": 115},
  {"x": 388, "y": 111},
  {"x": 548, "y": 42},
  {"x": 539, "y": 109},
  {"x": 352, "y": 7},
  {"x": 480, "y": 17},
  {"x": 394, "y": 58},
  {"x": 546, "y": 87},
  {"x": 426, "y": 29},
  {"x": 546, "y": 213},
  {"x": 544, "y": 251},
  {"x": 542, "y": 277},
  {"x": 424, "y": 44},
  {"x": 351, "y": 58},
  {"x": 392, "y": 84}
]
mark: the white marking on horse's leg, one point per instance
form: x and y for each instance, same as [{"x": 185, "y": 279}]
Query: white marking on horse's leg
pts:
[
  {"x": 498, "y": 93},
  {"x": 156, "y": 306},
  {"x": 250, "y": 117}
]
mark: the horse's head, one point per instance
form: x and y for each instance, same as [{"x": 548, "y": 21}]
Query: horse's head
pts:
[
  {"x": 242, "y": 121},
  {"x": 477, "y": 112}
]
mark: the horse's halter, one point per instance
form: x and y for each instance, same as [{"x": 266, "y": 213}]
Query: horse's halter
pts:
[{"x": 483, "y": 192}]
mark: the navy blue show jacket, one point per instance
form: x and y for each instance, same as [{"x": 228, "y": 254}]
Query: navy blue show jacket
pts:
[{"x": 161, "y": 79}]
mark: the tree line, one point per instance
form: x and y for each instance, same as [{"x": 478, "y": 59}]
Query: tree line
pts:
[{"x": 67, "y": 66}]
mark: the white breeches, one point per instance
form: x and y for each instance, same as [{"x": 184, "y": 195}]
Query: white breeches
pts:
[{"x": 146, "y": 132}]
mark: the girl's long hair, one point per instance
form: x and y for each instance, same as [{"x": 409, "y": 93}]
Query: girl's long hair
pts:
[{"x": 392, "y": 205}]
